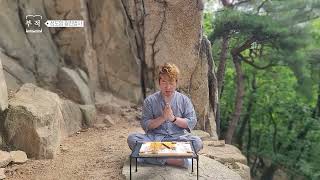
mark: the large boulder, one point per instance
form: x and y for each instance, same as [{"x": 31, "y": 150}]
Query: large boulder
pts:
[
  {"x": 201, "y": 134},
  {"x": 208, "y": 169},
  {"x": 73, "y": 86},
  {"x": 224, "y": 154},
  {"x": 3, "y": 90},
  {"x": 18, "y": 157},
  {"x": 33, "y": 122},
  {"x": 5, "y": 158},
  {"x": 228, "y": 155},
  {"x": 242, "y": 170}
]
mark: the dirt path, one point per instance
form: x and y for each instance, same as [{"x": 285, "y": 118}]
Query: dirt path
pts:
[{"x": 97, "y": 153}]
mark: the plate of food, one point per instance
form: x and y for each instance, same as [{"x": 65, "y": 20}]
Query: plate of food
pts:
[{"x": 157, "y": 149}]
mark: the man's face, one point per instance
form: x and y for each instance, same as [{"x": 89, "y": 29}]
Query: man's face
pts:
[{"x": 167, "y": 87}]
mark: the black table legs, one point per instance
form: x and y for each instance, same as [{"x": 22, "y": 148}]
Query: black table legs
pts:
[
  {"x": 197, "y": 167},
  {"x": 130, "y": 168},
  {"x": 136, "y": 164},
  {"x": 197, "y": 158},
  {"x": 192, "y": 165}
]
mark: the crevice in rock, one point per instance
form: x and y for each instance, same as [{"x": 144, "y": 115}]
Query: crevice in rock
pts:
[
  {"x": 137, "y": 24},
  {"x": 5, "y": 68},
  {"x": 164, "y": 4},
  {"x": 212, "y": 82},
  {"x": 128, "y": 20}
]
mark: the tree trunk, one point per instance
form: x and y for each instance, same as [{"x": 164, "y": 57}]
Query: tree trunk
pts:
[
  {"x": 220, "y": 78},
  {"x": 238, "y": 101},
  {"x": 212, "y": 82},
  {"x": 316, "y": 111},
  {"x": 248, "y": 113},
  {"x": 222, "y": 63},
  {"x": 249, "y": 141},
  {"x": 269, "y": 172},
  {"x": 275, "y": 132}
]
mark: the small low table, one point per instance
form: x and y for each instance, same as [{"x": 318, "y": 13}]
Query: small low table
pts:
[{"x": 135, "y": 155}]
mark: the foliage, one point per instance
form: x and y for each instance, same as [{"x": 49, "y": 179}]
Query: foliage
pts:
[{"x": 286, "y": 33}]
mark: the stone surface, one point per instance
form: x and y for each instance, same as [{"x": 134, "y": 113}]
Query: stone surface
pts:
[
  {"x": 224, "y": 154},
  {"x": 215, "y": 143},
  {"x": 99, "y": 125},
  {"x": 33, "y": 121},
  {"x": 118, "y": 65},
  {"x": 18, "y": 157},
  {"x": 209, "y": 169},
  {"x": 2, "y": 140},
  {"x": 34, "y": 51},
  {"x": 111, "y": 108},
  {"x": 83, "y": 75},
  {"x": 173, "y": 33},
  {"x": 3, "y": 89},
  {"x": 73, "y": 86},
  {"x": 242, "y": 170},
  {"x": 15, "y": 74},
  {"x": 89, "y": 114},
  {"x": 75, "y": 44},
  {"x": 72, "y": 118},
  {"x": 5, "y": 158},
  {"x": 108, "y": 121},
  {"x": 2, "y": 175},
  {"x": 201, "y": 134}
]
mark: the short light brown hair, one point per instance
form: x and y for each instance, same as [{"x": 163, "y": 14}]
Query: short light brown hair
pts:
[{"x": 171, "y": 70}]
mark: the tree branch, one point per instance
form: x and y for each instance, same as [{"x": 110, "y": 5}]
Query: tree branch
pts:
[{"x": 254, "y": 65}]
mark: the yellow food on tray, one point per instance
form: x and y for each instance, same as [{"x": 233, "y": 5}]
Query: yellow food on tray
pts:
[
  {"x": 153, "y": 149},
  {"x": 156, "y": 146}
]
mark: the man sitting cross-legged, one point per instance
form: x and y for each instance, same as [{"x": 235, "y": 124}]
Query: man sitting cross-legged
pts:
[{"x": 166, "y": 116}]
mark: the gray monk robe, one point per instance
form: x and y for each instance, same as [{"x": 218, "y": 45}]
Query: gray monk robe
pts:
[{"x": 152, "y": 108}]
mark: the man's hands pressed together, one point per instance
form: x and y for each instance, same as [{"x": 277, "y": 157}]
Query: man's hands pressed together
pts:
[{"x": 167, "y": 113}]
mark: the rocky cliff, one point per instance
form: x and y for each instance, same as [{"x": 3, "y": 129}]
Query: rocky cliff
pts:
[
  {"x": 52, "y": 82},
  {"x": 119, "y": 49}
]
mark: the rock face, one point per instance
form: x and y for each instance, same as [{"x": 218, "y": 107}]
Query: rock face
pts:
[
  {"x": 208, "y": 169},
  {"x": 73, "y": 86},
  {"x": 15, "y": 74},
  {"x": 89, "y": 114},
  {"x": 72, "y": 118},
  {"x": 172, "y": 32},
  {"x": 35, "y": 52},
  {"x": 33, "y": 122},
  {"x": 109, "y": 40},
  {"x": 3, "y": 90},
  {"x": 118, "y": 66}
]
